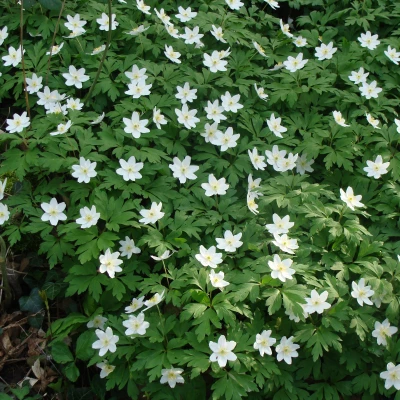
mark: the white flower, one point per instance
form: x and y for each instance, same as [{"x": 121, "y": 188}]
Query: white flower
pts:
[
  {"x": 156, "y": 299},
  {"x": 18, "y": 123},
  {"x": 259, "y": 49},
  {"x": 97, "y": 322},
  {"x": 172, "y": 31},
  {"x": 74, "y": 104},
  {"x": 397, "y": 122},
  {"x": 98, "y": 50},
  {"x": 14, "y": 56},
  {"x": 287, "y": 164},
  {"x": 256, "y": 159},
  {"x": 136, "y": 325},
  {"x": 138, "y": 89},
  {"x": 229, "y": 242},
  {"x": 61, "y": 129},
  {"x": 350, "y": 199},
  {"x": 109, "y": 262},
  {"x": 263, "y": 343},
  {"x": 325, "y": 52},
  {"x": 185, "y": 94},
  {"x": 226, "y": 140},
  {"x": 136, "y": 75},
  {"x": 135, "y": 125},
  {"x": 277, "y": 67},
  {"x": 217, "y": 33},
  {"x": 130, "y": 169},
  {"x": 209, "y": 257},
  {"x": 217, "y": 279},
  {"x": 158, "y": 118},
  {"x": 373, "y": 121},
  {"x": 172, "y": 376},
  {"x": 192, "y": 36},
  {"x": 75, "y": 33},
  {"x": 104, "y": 22},
  {"x": 57, "y": 108},
  {"x": 274, "y": 156},
  {"x": 222, "y": 351},
  {"x": 3, "y": 188},
  {"x": 274, "y": 124},
  {"x": 281, "y": 268},
  {"x": 98, "y": 119},
  {"x": 300, "y": 41},
  {"x": 75, "y": 77},
  {"x": 89, "y": 217},
  {"x": 106, "y": 342},
  {"x": 172, "y": 55},
  {"x": 34, "y": 84},
  {"x": 285, "y": 29},
  {"x": 286, "y": 350},
  {"x": 215, "y": 186},
  {"x": 53, "y": 211},
  {"x": 382, "y": 331},
  {"x": 135, "y": 305},
  {"x": 234, "y": 4},
  {"x": 231, "y": 103},
  {"x": 187, "y": 117},
  {"x": 185, "y": 15},
  {"x": 143, "y": 7},
  {"x": 253, "y": 185},
  {"x": 153, "y": 215},
  {"x": 280, "y": 225},
  {"x": 215, "y": 111},
  {"x": 369, "y": 90},
  {"x": 167, "y": 254},
  {"x": 106, "y": 369},
  {"x": 285, "y": 243},
  {"x": 215, "y": 62},
  {"x": 303, "y": 166},
  {"x": 4, "y": 213},
  {"x": 391, "y": 376},
  {"x": 3, "y": 34},
  {"x": 84, "y": 171},
  {"x": 274, "y": 4},
  {"x": 75, "y": 23},
  {"x": 251, "y": 202},
  {"x": 393, "y": 55},
  {"x": 293, "y": 64},
  {"x": 210, "y": 133},
  {"x": 183, "y": 170},
  {"x": 137, "y": 31},
  {"x": 337, "y": 115},
  {"x": 361, "y": 292},
  {"x": 368, "y": 40},
  {"x": 316, "y": 303},
  {"x": 358, "y": 76},
  {"x": 163, "y": 16},
  {"x": 260, "y": 92},
  {"x": 128, "y": 248}
]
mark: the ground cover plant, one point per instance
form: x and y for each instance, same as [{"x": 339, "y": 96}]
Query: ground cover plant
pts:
[{"x": 214, "y": 189}]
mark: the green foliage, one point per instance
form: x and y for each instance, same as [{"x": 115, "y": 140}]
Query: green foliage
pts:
[{"x": 334, "y": 245}]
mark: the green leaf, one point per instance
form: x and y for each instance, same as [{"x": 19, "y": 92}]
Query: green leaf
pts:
[
  {"x": 32, "y": 303},
  {"x": 84, "y": 343},
  {"x": 61, "y": 352},
  {"x": 71, "y": 371}
]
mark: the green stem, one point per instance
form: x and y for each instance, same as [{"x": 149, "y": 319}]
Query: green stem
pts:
[
  {"x": 3, "y": 267},
  {"x": 53, "y": 40},
  {"x": 162, "y": 324},
  {"x": 21, "y": 39},
  {"x": 104, "y": 54},
  {"x": 166, "y": 273}
]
